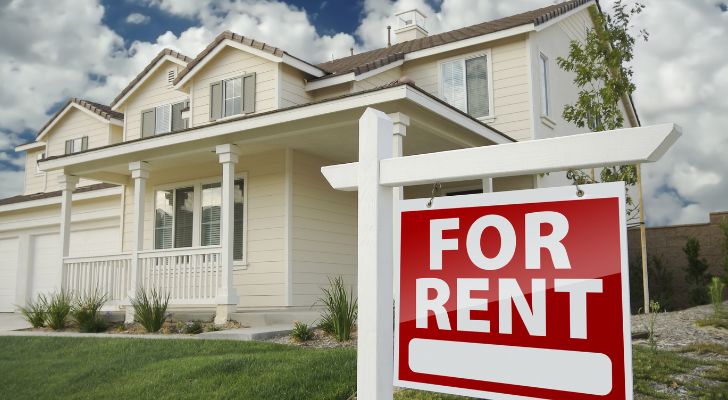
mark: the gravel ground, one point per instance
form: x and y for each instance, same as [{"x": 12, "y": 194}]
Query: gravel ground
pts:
[{"x": 677, "y": 329}]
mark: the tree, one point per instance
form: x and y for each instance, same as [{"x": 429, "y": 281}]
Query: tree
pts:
[
  {"x": 603, "y": 74},
  {"x": 696, "y": 270},
  {"x": 724, "y": 228}
]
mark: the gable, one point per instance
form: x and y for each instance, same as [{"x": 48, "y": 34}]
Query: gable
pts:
[{"x": 75, "y": 123}]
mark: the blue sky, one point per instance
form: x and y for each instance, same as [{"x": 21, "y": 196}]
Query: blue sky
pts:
[{"x": 93, "y": 48}]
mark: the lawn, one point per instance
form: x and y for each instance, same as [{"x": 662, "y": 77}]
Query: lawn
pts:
[{"x": 39, "y": 368}]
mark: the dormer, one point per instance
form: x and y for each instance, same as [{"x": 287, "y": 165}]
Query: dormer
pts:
[
  {"x": 150, "y": 102},
  {"x": 236, "y": 76}
]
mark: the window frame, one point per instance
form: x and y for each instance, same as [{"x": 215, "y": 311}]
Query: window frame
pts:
[
  {"x": 38, "y": 157},
  {"x": 73, "y": 144},
  {"x": 224, "y": 94},
  {"x": 171, "y": 116},
  {"x": 197, "y": 184},
  {"x": 464, "y": 57}
]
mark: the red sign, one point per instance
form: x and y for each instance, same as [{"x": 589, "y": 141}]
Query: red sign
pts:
[{"x": 515, "y": 294}]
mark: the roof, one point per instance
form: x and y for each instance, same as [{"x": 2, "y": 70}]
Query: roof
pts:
[
  {"x": 228, "y": 35},
  {"x": 363, "y": 62},
  {"x": 145, "y": 71},
  {"x": 99, "y": 109},
  {"x": 330, "y": 99},
  {"x": 57, "y": 193}
]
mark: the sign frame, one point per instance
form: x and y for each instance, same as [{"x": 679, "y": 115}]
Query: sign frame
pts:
[{"x": 553, "y": 194}]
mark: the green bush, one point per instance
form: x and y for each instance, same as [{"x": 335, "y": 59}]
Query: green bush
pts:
[
  {"x": 301, "y": 332},
  {"x": 35, "y": 312},
  {"x": 339, "y": 316},
  {"x": 150, "y": 309},
  {"x": 58, "y": 306},
  {"x": 716, "y": 295},
  {"x": 193, "y": 328},
  {"x": 86, "y": 312},
  {"x": 697, "y": 272}
]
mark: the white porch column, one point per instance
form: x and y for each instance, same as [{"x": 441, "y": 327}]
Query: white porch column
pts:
[
  {"x": 487, "y": 185},
  {"x": 68, "y": 185},
  {"x": 375, "y": 207},
  {"x": 227, "y": 298},
  {"x": 139, "y": 174}
]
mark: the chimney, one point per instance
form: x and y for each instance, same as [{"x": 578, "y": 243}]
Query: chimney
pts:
[
  {"x": 410, "y": 25},
  {"x": 389, "y": 35}
]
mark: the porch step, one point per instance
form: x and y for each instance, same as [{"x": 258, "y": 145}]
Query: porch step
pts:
[
  {"x": 275, "y": 317},
  {"x": 248, "y": 334}
]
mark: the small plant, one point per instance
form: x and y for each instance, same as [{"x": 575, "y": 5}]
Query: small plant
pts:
[
  {"x": 58, "y": 306},
  {"x": 86, "y": 312},
  {"x": 301, "y": 332},
  {"x": 150, "y": 309},
  {"x": 340, "y": 314},
  {"x": 35, "y": 312},
  {"x": 651, "y": 320},
  {"x": 211, "y": 327},
  {"x": 193, "y": 328},
  {"x": 716, "y": 295}
]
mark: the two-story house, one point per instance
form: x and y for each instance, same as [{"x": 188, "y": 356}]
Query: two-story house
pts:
[{"x": 202, "y": 178}]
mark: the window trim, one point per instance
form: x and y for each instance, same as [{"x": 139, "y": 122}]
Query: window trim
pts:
[
  {"x": 224, "y": 92},
  {"x": 154, "y": 110},
  {"x": 544, "y": 74},
  {"x": 38, "y": 157},
  {"x": 489, "y": 62},
  {"x": 73, "y": 146},
  {"x": 196, "y": 184}
]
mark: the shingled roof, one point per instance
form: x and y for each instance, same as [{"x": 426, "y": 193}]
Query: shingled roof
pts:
[
  {"x": 145, "y": 71},
  {"x": 99, "y": 109},
  {"x": 46, "y": 195},
  {"x": 363, "y": 62}
]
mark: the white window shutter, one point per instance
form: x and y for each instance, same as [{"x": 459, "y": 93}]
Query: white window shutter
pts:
[
  {"x": 453, "y": 84},
  {"x": 478, "y": 101},
  {"x": 163, "y": 119}
]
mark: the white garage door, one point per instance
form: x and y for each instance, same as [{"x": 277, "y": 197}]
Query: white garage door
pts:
[
  {"x": 8, "y": 273},
  {"x": 46, "y": 251}
]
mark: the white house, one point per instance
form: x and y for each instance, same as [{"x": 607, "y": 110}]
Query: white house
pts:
[{"x": 202, "y": 177}]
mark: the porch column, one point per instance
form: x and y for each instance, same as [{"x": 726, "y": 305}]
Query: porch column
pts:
[
  {"x": 227, "y": 298},
  {"x": 487, "y": 185},
  {"x": 68, "y": 185},
  {"x": 139, "y": 174}
]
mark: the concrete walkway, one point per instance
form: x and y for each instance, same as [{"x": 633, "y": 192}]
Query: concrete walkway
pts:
[{"x": 10, "y": 325}]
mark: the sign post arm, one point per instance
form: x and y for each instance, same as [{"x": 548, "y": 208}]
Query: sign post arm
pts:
[{"x": 375, "y": 332}]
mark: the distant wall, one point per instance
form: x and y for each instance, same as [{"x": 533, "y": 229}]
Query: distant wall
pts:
[{"x": 667, "y": 243}]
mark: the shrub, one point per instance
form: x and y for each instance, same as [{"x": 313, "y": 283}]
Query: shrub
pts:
[
  {"x": 193, "y": 328},
  {"x": 696, "y": 272},
  {"x": 660, "y": 283},
  {"x": 341, "y": 310},
  {"x": 35, "y": 312},
  {"x": 651, "y": 320},
  {"x": 301, "y": 332},
  {"x": 716, "y": 295},
  {"x": 150, "y": 309},
  {"x": 86, "y": 312},
  {"x": 57, "y": 308}
]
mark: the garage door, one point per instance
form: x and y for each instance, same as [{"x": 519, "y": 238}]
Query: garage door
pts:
[
  {"x": 46, "y": 251},
  {"x": 8, "y": 273}
]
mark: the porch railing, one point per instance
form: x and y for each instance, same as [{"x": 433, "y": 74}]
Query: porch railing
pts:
[
  {"x": 190, "y": 276},
  {"x": 109, "y": 275}
]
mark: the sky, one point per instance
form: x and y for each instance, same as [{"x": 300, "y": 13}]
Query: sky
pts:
[{"x": 53, "y": 50}]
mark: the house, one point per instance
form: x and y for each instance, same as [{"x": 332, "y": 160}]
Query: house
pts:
[{"x": 202, "y": 177}]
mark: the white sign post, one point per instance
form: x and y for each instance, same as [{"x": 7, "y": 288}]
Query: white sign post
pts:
[{"x": 377, "y": 173}]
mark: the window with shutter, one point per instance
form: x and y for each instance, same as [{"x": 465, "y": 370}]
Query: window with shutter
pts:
[
  {"x": 211, "y": 213},
  {"x": 76, "y": 145},
  {"x": 465, "y": 85},
  {"x": 163, "y": 219},
  {"x": 232, "y": 97},
  {"x": 216, "y": 100},
  {"x": 163, "y": 119},
  {"x": 178, "y": 123},
  {"x": 148, "y": 123},
  {"x": 184, "y": 209}
]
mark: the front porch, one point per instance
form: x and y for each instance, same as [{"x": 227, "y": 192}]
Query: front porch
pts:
[{"x": 237, "y": 216}]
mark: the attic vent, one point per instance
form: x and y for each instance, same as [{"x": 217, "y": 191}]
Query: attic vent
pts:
[{"x": 170, "y": 75}]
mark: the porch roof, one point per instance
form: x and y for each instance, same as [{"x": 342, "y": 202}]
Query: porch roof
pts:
[{"x": 436, "y": 121}]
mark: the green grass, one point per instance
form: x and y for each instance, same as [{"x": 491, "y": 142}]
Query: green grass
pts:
[
  {"x": 35, "y": 367},
  {"x": 717, "y": 320}
]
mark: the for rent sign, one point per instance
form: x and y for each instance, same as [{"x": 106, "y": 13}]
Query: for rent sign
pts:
[{"x": 515, "y": 294}]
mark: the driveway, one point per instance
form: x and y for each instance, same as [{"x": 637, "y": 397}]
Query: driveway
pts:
[{"x": 11, "y": 322}]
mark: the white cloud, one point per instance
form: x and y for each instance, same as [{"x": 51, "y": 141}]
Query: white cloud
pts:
[{"x": 137, "y": 19}]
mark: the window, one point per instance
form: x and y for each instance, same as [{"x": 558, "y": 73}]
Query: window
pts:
[
  {"x": 164, "y": 118},
  {"x": 76, "y": 145},
  {"x": 232, "y": 97},
  {"x": 175, "y": 213},
  {"x": 38, "y": 158},
  {"x": 465, "y": 85},
  {"x": 545, "y": 84}
]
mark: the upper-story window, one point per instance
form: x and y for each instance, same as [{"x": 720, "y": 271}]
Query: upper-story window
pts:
[
  {"x": 465, "y": 85},
  {"x": 543, "y": 64},
  {"x": 232, "y": 96},
  {"x": 76, "y": 145},
  {"x": 38, "y": 158},
  {"x": 164, "y": 118}
]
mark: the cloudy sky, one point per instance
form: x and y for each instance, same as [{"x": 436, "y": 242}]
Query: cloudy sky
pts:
[{"x": 52, "y": 50}]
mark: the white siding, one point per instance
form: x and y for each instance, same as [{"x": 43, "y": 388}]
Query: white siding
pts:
[
  {"x": 293, "y": 87},
  {"x": 155, "y": 91},
  {"x": 262, "y": 282},
  {"x": 324, "y": 231},
  {"x": 8, "y": 273},
  {"x": 378, "y": 80},
  {"x": 230, "y": 63}
]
